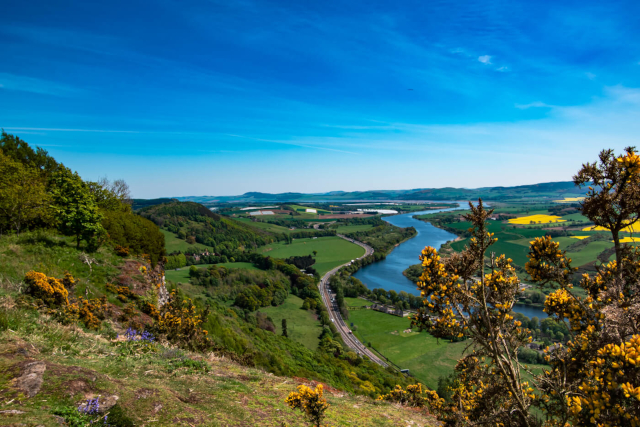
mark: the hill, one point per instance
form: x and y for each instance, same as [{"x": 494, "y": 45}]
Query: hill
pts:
[{"x": 542, "y": 191}]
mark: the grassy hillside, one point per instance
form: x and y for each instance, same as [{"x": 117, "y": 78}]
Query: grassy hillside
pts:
[
  {"x": 302, "y": 325},
  {"x": 155, "y": 384},
  {"x": 332, "y": 251}
]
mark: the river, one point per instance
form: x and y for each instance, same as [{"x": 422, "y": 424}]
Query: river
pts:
[{"x": 387, "y": 274}]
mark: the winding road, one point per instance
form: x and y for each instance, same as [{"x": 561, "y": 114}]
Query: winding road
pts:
[{"x": 334, "y": 312}]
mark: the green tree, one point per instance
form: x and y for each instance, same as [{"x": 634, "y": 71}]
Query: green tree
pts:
[
  {"x": 23, "y": 197},
  {"x": 76, "y": 209},
  {"x": 285, "y": 333}
]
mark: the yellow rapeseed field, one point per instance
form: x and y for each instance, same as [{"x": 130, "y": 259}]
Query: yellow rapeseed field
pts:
[
  {"x": 630, "y": 240},
  {"x": 569, "y": 200},
  {"x": 579, "y": 237},
  {"x": 536, "y": 219},
  {"x": 634, "y": 228}
]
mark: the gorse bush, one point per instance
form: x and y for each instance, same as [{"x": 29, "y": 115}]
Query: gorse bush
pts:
[
  {"x": 48, "y": 290},
  {"x": 311, "y": 402},
  {"x": 179, "y": 321},
  {"x": 592, "y": 380}
]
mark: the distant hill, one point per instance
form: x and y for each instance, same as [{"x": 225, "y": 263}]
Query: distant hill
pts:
[{"x": 544, "y": 191}]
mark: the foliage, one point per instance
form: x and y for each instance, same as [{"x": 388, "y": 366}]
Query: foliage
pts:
[
  {"x": 595, "y": 378},
  {"x": 311, "y": 402},
  {"x": 24, "y": 202},
  {"x": 181, "y": 324},
  {"x": 49, "y": 290},
  {"x": 76, "y": 209},
  {"x": 414, "y": 396},
  {"x": 138, "y": 235}
]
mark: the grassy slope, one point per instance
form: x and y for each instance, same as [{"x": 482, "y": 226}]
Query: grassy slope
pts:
[
  {"x": 419, "y": 352},
  {"x": 173, "y": 244},
  {"x": 81, "y": 365},
  {"x": 332, "y": 251},
  {"x": 353, "y": 228},
  {"x": 182, "y": 275},
  {"x": 302, "y": 325},
  {"x": 264, "y": 225}
]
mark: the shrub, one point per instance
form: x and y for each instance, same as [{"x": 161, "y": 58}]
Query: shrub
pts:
[
  {"x": 181, "y": 324},
  {"x": 310, "y": 402},
  {"x": 49, "y": 290}
]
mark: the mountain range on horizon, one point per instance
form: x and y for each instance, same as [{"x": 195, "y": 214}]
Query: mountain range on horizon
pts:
[{"x": 548, "y": 190}]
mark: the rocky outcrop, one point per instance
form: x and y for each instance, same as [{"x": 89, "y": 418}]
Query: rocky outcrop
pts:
[{"x": 30, "y": 380}]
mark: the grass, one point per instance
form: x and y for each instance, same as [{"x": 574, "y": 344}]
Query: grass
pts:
[
  {"x": 273, "y": 228},
  {"x": 425, "y": 357},
  {"x": 173, "y": 244},
  {"x": 182, "y": 275},
  {"x": 164, "y": 387},
  {"x": 353, "y": 228},
  {"x": 302, "y": 325},
  {"x": 356, "y": 302},
  {"x": 332, "y": 251}
]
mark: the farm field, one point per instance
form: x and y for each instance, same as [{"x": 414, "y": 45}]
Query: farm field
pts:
[
  {"x": 173, "y": 244},
  {"x": 536, "y": 219},
  {"x": 302, "y": 325},
  {"x": 419, "y": 352},
  {"x": 353, "y": 228},
  {"x": 302, "y": 209},
  {"x": 356, "y": 302},
  {"x": 182, "y": 275},
  {"x": 332, "y": 251},
  {"x": 264, "y": 225}
]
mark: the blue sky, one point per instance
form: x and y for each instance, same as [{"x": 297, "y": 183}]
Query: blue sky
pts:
[{"x": 224, "y": 97}]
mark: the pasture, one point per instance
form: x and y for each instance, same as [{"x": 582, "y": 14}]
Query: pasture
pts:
[
  {"x": 173, "y": 244},
  {"x": 425, "y": 357},
  {"x": 342, "y": 229},
  {"x": 181, "y": 275},
  {"x": 272, "y": 228},
  {"x": 332, "y": 251},
  {"x": 302, "y": 325}
]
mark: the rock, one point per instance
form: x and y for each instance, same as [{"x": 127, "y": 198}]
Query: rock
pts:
[
  {"x": 30, "y": 381},
  {"x": 105, "y": 403},
  {"x": 11, "y": 412}
]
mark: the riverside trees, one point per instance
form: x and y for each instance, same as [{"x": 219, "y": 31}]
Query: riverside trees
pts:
[{"x": 595, "y": 378}]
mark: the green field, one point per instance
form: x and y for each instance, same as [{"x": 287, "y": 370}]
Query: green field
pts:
[
  {"x": 182, "y": 275},
  {"x": 302, "y": 209},
  {"x": 353, "y": 228},
  {"x": 302, "y": 325},
  {"x": 356, "y": 302},
  {"x": 421, "y": 353},
  {"x": 332, "y": 251},
  {"x": 173, "y": 244},
  {"x": 264, "y": 225}
]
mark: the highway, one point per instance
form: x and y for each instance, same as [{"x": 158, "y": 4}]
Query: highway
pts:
[{"x": 334, "y": 312}]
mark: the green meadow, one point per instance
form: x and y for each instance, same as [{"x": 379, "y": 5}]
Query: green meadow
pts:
[
  {"x": 302, "y": 325},
  {"x": 173, "y": 244},
  {"x": 332, "y": 251},
  {"x": 353, "y": 228},
  {"x": 426, "y": 357},
  {"x": 182, "y": 275}
]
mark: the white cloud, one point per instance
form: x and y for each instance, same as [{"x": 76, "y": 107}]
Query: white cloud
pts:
[
  {"x": 502, "y": 69},
  {"x": 485, "y": 59},
  {"x": 590, "y": 76},
  {"x": 31, "y": 84},
  {"x": 536, "y": 104}
]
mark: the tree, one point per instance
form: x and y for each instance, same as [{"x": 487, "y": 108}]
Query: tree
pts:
[
  {"x": 315, "y": 253},
  {"x": 23, "y": 197},
  {"x": 76, "y": 209},
  {"x": 594, "y": 379},
  {"x": 285, "y": 333}
]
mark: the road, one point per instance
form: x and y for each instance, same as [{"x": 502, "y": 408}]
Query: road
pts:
[{"x": 334, "y": 312}]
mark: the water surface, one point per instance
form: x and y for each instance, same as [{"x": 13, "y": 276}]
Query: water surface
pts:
[{"x": 387, "y": 274}]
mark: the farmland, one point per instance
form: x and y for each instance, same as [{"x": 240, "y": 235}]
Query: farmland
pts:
[
  {"x": 173, "y": 244},
  {"x": 302, "y": 325},
  {"x": 425, "y": 357},
  {"x": 332, "y": 251},
  {"x": 342, "y": 229},
  {"x": 182, "y": 275}
]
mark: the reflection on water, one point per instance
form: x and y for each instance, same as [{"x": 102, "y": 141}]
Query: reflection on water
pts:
[{"x": 387, "y": 274}]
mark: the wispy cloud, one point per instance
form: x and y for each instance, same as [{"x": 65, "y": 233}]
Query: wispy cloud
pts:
[
  {"x": 485, "y": 59},
  {"x": 35, "y": 85},
  {"x": 536, "y": 104},
  {"x": 73, "y": 130}
]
